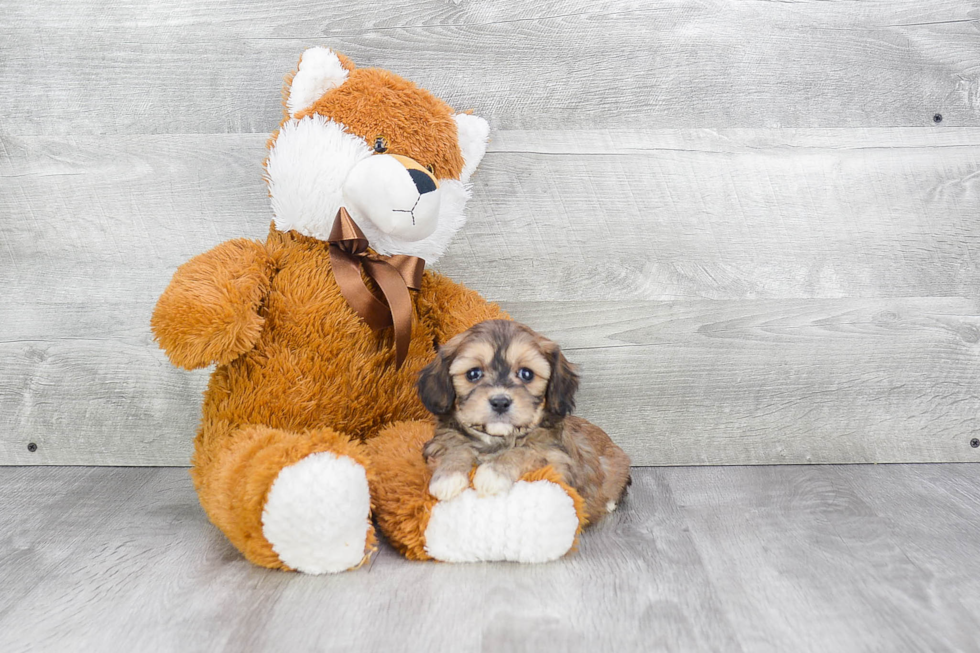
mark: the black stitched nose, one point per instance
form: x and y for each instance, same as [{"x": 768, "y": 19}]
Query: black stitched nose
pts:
[
  {"x": 500, "y": 403},
  {"x": 422, "y": 181}
]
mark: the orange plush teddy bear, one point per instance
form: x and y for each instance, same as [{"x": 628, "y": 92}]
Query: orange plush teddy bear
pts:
[{"x": 311, "y": 420}]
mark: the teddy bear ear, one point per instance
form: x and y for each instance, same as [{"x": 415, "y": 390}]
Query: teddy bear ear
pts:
[
  {"x": 320, "y": 70},
  {"x": 474, "y": 134}
]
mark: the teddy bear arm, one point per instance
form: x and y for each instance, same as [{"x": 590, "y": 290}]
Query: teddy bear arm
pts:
[
  {"x": 209, "y": 312},
  {"x": 454, "y": 308}
]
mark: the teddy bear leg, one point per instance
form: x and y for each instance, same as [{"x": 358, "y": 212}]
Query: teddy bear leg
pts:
[
  {"x": 538, "y": 520},
  {"x": 287, "y": 500}
]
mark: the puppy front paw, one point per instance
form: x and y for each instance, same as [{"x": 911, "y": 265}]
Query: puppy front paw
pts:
[
  {"x": 489, "y": 481},
  {"x": 447, "y": 486}
]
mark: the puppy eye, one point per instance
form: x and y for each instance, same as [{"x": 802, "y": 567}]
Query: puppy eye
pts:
[
  {"x": 525, "y": 375},
  {"x": 381, "y": 145},
  {"x": 474, "y": 375}
]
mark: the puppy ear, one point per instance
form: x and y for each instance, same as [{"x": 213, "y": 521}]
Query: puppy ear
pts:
[
  {"x": 436, "y": 385},
  {"x": 562, "y": 385}
]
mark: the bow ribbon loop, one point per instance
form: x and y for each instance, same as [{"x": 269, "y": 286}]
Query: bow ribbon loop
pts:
[{"x": 393, "y": 275}]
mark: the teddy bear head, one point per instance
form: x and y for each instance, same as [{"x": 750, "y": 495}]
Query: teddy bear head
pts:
[{"x": 395, "y": 156}]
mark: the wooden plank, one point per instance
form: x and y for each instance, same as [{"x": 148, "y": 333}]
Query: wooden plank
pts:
[
  {"x": 722, "y": 559},
  {"x": 780, "y": 381},
  {"x": 136, "y": 566},
  {"x": 676, "y": 215},
  {"x": 675, "y": 383},
  {"x": 836, "y": 555},
  {"x": 836, "y": 262},
  {"x": 89, "y": 67},
  {"x": 747, "y": 214},
  {"x": 110, "y": 401}
]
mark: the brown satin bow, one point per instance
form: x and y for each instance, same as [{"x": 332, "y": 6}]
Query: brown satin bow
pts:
[{"x": 394, "y": 275}]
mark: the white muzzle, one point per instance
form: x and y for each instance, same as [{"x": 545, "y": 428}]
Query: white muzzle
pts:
[{"x": 401, "y": 201}]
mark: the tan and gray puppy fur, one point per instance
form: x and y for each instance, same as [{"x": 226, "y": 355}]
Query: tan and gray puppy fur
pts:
[{"x": 503, "y": 396}]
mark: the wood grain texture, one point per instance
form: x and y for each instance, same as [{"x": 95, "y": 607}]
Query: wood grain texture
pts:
[
  {"x": 89, "y": 67},
  {"x": 801, "y": 544},
  {"x": 803, "y": 381},
  {"x": 663, "y": 215},
  {"x": 737, "y": 291},
  {"x": 739, "y": 296},
  {"x": 822, "y": 558},
  {"x": 674, "y": 383},
  {"x": 724, "y": 215}
]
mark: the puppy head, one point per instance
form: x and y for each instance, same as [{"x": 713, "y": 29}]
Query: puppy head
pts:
[{"x": 499, "y": 379}]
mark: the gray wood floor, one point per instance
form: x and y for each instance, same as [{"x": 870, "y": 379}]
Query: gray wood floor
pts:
[{"x": 817, "y": 558}]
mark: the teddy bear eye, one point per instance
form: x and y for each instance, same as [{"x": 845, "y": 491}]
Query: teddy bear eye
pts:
[
  {"x": 525, "y": 375},
  {"x": 474, "y": 374},
  {"x": 380, "y": 144}
]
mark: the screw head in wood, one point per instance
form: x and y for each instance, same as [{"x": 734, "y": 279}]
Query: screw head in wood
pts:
[
  {"x": 975, "y": 442},
  {"x": 938, "y": 118},
  {"x": 32, "y": 447}
]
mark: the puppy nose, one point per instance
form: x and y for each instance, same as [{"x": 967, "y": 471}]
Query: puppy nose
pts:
[
  {"x": 501, "y": 403},
  {"x": 422, "y": 181}
]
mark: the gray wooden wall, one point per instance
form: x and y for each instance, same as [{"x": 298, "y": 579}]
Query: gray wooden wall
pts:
[{"x": 741, "y": 217}]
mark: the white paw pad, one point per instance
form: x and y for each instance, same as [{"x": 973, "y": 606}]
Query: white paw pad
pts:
[
  {"x": 533, "y": 522},
  {"x": 447, "y": 486},
  {"x": 316, "y": 514},
  {"x": 488, "y": 482}
]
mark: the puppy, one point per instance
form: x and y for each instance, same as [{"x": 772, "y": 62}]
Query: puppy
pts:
[{"x": 502, "y": 396}]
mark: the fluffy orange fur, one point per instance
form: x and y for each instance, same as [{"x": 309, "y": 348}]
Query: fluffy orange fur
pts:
[
  {"x": 298, "y": 371},
  {"x": 302, "y": 374},
  {"x": 401, "y": 484},
  {"x": 212, "y": 316},
  {"x": 374, "y": 102}
]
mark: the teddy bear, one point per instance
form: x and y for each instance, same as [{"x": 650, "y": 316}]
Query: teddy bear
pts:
[{"x": 312, "y": 429}]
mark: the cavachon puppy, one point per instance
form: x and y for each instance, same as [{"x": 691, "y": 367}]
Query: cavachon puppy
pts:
[{"x": 502, "y": 396}]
